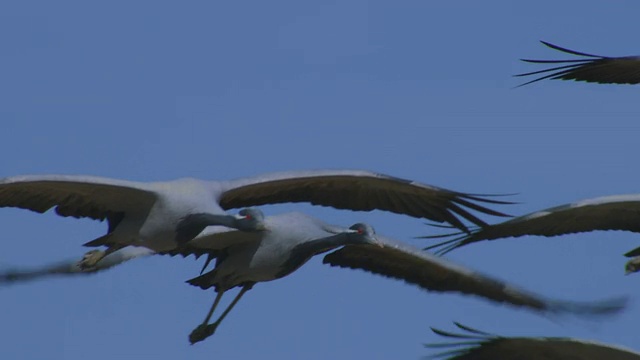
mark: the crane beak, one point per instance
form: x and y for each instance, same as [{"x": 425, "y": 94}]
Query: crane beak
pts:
[
  {"x": 368, "y": 239},
  {"x": 373, "y": 240}
]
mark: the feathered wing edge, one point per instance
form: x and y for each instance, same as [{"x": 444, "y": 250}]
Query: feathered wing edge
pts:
[
  {"x": 559, "y": 71},
  {"x": 464, "y": 344},
  {"x": 361, "y": 191},
  {"x": 454, "y": 240},
  {"x": 473, "y": 342}
]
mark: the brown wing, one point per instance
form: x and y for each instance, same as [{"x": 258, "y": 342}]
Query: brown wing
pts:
[
  {"x": 399, "y": 261},
  {"x": 77, "y": 196},
  {"x": 618, "y": 212},
  {"x": 479, "y": 345},
  {"x": 214, "y": 240},
  {"x": 358, "y": 190}
]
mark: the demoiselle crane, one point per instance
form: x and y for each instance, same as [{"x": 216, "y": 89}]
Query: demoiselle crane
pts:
[
  {"x": 289, "y": 240},
  {"x": 282, "y": 243},
  {"x": 592, "y": 68},
  {"x": 617, "y": 212},
  {"x": 479, "y": 345},
  {"x": 163, "y": 215}
]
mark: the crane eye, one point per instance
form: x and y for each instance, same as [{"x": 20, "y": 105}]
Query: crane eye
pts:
[
  {"x": 248, "y": 217},
  {"x": 360, "y": 231}
]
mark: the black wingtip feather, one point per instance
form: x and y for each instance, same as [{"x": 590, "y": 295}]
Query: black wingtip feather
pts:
[
  {"x": 569, "y": 51},
  {"x": 594, "y": 69},
  {"x": 594, "y": 309},
  {"x": 633, "y": 253},
  {"x": 565, "y": 69}
]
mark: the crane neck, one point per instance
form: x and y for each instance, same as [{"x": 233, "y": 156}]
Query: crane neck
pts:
[
  {"x": 301, "y": 253},
  {"x": 318, "y": 246},
  {"x": 193, "y": 224}
]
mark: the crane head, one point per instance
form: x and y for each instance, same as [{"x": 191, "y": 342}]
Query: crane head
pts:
[
  {"x": 250, "y": 219},
  {"x": 364, "y": 233}
]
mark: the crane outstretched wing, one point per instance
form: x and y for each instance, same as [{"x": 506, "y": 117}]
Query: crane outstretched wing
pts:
[
  {"x": 414, "y": 266},
  {"x": 617, "y": 212},
  {"x": 359, "y": 190},
  {"x": 474, "y": 344},
  {"x": 76, "y": 195}
]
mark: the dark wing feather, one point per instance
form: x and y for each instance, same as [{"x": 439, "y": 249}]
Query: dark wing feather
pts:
[
  {"x": 358, "y": 190},
  {"x": 619, "y": 212},
  {"x": 595, "y": 69},
  {"x": 633, "y": 253},
  {"x": 77, "y": 196},
  {"x": 477, "y": 345},
  {"x": 400, "y": 261},
  {"x": 213, "y": 242},
  {"x": 216, "y": 238}
]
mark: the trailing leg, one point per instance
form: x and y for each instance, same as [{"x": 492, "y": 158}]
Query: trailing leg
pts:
[{"x": 205, "y": 330}]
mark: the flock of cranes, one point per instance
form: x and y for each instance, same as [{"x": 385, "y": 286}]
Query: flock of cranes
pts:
[{"x": 192, "y": 217}]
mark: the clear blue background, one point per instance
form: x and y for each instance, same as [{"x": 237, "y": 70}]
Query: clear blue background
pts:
[{"x": 158, "y": 90}]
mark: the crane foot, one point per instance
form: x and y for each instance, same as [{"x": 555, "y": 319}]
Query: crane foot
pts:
[
  {"x": 202, "y": 332},
  {"x": 90, "y": 259}
]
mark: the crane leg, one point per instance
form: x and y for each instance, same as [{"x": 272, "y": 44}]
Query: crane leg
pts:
[
  {"x": 199, "y": 333},
  {"x": 205, "y": 330},
  {"x": 213, "y": 307}
]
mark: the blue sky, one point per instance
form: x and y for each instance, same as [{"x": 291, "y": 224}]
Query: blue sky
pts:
[{"x": 422, "y": 90}]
